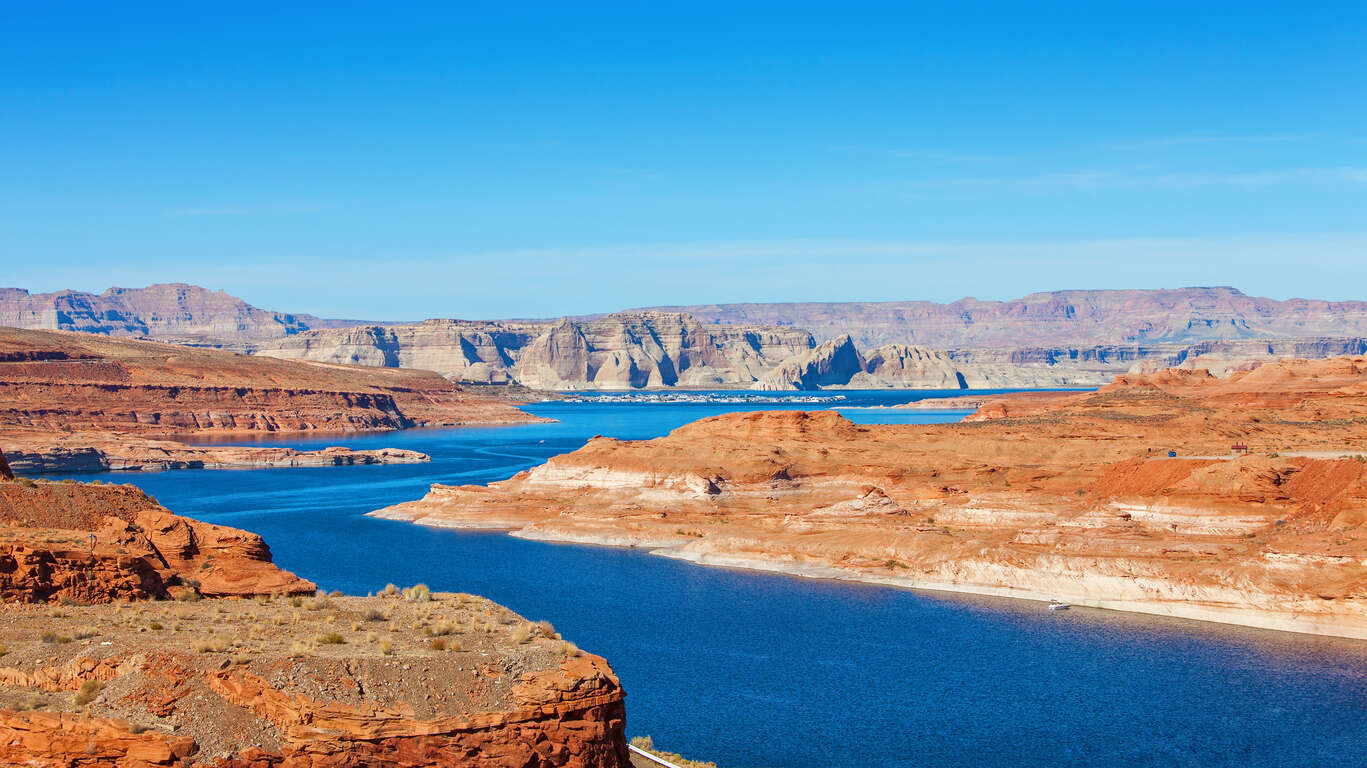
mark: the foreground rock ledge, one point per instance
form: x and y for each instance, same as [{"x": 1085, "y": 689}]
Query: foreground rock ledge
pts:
[
  {"x": 98, "y": 668},
  {"x": 345, "y": 681},
  {"x": 1258, "y": 519}
]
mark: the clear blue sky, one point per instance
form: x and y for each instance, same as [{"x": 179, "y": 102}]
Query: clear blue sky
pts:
[{"x": 396, "y": 160}]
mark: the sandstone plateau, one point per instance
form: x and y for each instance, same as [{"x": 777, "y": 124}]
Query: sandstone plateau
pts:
[
  {"x": 98, "y": 670},
  {"x": 1057, "y": 319},
  {"x": 1063, "y": 338},
  {"x": 1068, "y": 496},
  {"x": 83, "y": 402}
]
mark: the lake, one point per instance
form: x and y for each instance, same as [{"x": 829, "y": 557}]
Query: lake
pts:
[{"x": 753, "y": 669}]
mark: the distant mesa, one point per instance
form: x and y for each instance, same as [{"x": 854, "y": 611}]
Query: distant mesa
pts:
[{"x": 1056, "y": 339}]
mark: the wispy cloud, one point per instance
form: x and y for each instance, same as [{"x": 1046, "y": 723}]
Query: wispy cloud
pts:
[
  {"x": 236, "y": 210},
  {"x": 182, "y": 212},
  {"x": 1200, "y": 139},
  {"x": 1123, "y": 179}
]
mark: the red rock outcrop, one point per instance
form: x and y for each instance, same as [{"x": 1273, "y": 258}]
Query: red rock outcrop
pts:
[
  {"x": 101, "y": 543},
  {"x": 1257, "y": 518},
  {"x": 271, "y": 684}
]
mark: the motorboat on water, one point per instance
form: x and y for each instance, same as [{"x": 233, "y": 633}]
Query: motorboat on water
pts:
[{"x": 1055, "y": 605}]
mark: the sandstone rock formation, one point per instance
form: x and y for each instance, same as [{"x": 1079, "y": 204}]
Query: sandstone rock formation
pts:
[
  {"x": 81, "y": 402},
  {"x": 1064, "y": 319},
  {"x": 170, "y": 312},
  {"x": 451, "y": 681},
  {"x": 1257, "y": 519},
  {"x": 1063, "y": 338},
  {"x": 153, "y": 388},
  {"x": 102, "y": 543},
  {"x": 415, "y": 681},
  {"x": 624, "y": 351},
  {"x": 38, "y": 453}
]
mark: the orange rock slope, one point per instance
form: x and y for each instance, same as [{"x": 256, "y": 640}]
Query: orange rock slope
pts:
[{"x": 1072, "y": 496}]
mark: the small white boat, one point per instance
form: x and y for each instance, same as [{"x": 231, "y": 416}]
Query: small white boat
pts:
[{"x": 1055, "y": 605}]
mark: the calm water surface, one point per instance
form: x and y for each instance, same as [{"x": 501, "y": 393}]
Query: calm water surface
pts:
[{"x": 752, "y": 669}]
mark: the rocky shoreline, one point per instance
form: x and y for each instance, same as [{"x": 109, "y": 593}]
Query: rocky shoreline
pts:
[{"x": 1070, "y": 497}]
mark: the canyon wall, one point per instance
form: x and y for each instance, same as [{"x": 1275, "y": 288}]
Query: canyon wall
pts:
[
  {"x": 1062, "y": 319},
  {"x": 1240, "y": 499},
  {"x": 626, "y": 351},
  {"x": 1057, "y": 339},
  {"x": 76, "y": 402}
]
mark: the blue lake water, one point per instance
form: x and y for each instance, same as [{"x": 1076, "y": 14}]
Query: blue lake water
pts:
[{"x": 751, "y": 669}]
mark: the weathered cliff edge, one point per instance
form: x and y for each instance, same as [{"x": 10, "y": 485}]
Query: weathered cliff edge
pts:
[
  {"x": 656, "y": 350},
  {"x": 82, "y": 402},
  {"x": 97, "y": 671},
  {"x": 1071, "y": 496},
  {"x": 626, "y": 351}
]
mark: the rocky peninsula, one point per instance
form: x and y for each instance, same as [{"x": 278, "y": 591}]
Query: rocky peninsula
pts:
[{"x": 1238, "y": 499}]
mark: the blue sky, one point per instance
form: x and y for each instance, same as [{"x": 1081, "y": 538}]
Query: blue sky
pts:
[{"x": 522, "y": 159}]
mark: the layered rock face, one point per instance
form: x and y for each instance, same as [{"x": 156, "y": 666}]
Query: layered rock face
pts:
[
  {"x": 1258, "y": 518},
  {"x": 1058, "y": 319},
  {"x": 81, "y": 402},
  {"x": 623, "y": 351},
  {"x": 155, "y": 388},
  {"x": 108, "y": 674},
  {"x": 170, "y": 312}
]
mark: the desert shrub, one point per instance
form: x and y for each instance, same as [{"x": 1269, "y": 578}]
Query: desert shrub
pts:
[
  {"x": 216, "y": 645},
  {"x": 386, "y": 646},
  {"x": 438, "y": 630},
  {"x": 523, "y": 632},
  {"x": 331, "y": 638},
  {"x": 438, "y": 644},
  {"x": 375, "y": 614},
  {"x": 296, "y": 601},
  {"x": 418, "y": 593},
  {"x": 390, "y": 590},
  {"x": 298, "y": 649},
  {"x": 89, "y": 690},
  {"x": 335, "y": 593},
  {"x": 191, "y": 595},
  {"x": 320, "y": 604},
  {"x": 647, "y": 744},
  {"x": 155, "y": 626},
  {"x": 53, "y": 637},
  {"x": 86, "y": 631},
  {"x": 546, "y": 629}
]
